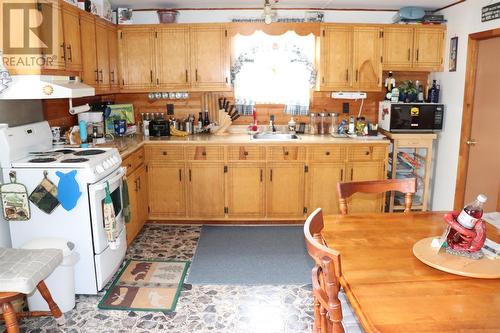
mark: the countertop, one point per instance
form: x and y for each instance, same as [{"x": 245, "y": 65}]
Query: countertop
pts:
[{"x": 127, "y": 145}]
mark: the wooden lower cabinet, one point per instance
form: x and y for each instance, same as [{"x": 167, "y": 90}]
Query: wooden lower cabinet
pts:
[
  {"x": 246, "y": 188},
  {"x": 322, "y": 182},
  {"x": 206, "y": 189},
  {"x": 359, "y": 171},
  {"x": 138, "y": 198},
  {"x": 167, "y": 194},
  {"x": 285, "y": 189}
]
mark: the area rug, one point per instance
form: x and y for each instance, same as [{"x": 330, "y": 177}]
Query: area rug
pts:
[
  {"x": 146, "y": 285},
  {"x": 251, "y": 255}
]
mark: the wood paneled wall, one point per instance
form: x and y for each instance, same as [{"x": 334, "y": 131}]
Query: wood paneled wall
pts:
[{"x": 56, "y": 111}]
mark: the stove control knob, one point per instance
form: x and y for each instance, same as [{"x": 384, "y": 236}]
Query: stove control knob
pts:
[
  {"x": 99, "y": 169},
  {"x": 106, "y": 164}
]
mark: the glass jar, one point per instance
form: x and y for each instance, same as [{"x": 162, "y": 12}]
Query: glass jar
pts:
[
  {"x": 334, "y": 128},
  {"x": 323, "y": 123},
  {"x": 312, "y": 123}
]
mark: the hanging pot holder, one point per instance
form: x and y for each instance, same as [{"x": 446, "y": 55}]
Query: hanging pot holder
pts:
[
  {"x": 44, "y": 196},
  {"x": 15, "y": 204}
]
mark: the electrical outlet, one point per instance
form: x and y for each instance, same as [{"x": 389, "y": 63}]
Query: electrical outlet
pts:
[
  {"x": 345, "y": 107},
  {"x": 348, "y": 95}
]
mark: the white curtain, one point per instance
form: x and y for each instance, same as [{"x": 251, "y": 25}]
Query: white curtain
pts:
[{"x": 274, "y": 70}]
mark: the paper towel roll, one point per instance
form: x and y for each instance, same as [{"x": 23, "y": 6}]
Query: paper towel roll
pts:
[{"x": 79, "y": 109}]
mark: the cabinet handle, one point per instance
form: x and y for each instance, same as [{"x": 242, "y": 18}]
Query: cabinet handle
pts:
[
  {"x": 151, "y": 75},
  {"x": 96, "y": 76},
  {"x": 70, "y": 57},
  {"x": 285, "y": 153},
  {"x": 323, "y": 79},
  {"x": 189, "y": 174},
  {"x": 341, "y": 175},
  {"x": 418, "y": 51},
  {"x": 352, "y": 170},
  {"x": 129, "y": 165},
  {"x": 357, "y": 75},
  {"x": 164, "y": 153},
  {"x": 327, "y": 153},
  {"x": 136, "y": 185},
  {"x": 102, "y": 76},
  {"x": 261, "y": 175},
  {"x": 180, "y": 175},
  {"x": 271, "y": 175},
  {"x": 139, "y": 181},
  {"x": 113, "y": 76},
  {"x": 409, "y": 54},
  {"x": 186, "y": 75},
  {"x": 196, "y": 75},
  {"x": 346, "y": 75},
  {"x": 204, "y": 153},
  {"x": 63, "y": 51},
  {"x": 367, "y": 153}
]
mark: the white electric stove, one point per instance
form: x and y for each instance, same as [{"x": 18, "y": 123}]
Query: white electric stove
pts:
[{"x": 29, "y": 155}]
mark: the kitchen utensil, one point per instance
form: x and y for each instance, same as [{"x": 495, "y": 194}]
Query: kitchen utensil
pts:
[
  {"x": 221, "y": 104},
  {"x": 231, "y": 109},
  {"x": 235, "y": 116}
]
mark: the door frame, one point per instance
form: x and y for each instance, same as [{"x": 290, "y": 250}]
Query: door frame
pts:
[{"x": 468, "y": 110}]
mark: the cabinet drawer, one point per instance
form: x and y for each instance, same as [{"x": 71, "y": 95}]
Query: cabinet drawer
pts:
[
  {"x": 209, "y": 153},
  {"x": 413, "y": 142},
  {"x": 246, "y": 153},
  {"x": 287, "y": 153},
  {"x": 134, "y": 160},
  {"x": 327, "y": 153},
  {"x": 165, "y": 153},
  {"x": 366, "y": 153}
]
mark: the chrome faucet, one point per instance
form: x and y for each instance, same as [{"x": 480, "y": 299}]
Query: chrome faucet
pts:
[{"x": 271, "y": 123}]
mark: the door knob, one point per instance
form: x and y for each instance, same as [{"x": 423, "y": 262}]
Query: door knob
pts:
[{"x": 471, "y": 142}]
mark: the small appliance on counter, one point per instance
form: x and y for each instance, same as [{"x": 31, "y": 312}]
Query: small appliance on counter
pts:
[
  {"x": 410, "y": 117},
  {"x": 159, "y": 127}
]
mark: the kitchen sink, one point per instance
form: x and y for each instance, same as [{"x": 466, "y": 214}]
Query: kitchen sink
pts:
[{"x": 275, "y": 137}]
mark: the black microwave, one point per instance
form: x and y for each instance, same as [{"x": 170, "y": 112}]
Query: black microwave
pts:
[{"x": 410, "y": 117}]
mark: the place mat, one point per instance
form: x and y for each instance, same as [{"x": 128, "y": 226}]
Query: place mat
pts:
[{"x": 146, "y": 285}]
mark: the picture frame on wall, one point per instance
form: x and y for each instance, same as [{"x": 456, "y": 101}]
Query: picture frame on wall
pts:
[{"x": 452, "y": 67}]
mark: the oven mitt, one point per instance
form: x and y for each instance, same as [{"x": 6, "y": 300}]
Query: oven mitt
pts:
[
  {"x": 110, "y": 220},
  {"x": 126, "y": 201},
  {"x": 44, "y": 196},
  {"x": 15, "y": 204},
  {"x": 68, "y": 191}
]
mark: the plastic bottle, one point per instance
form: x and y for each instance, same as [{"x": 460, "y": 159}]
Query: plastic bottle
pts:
[
  {"x": 291, "y": 125},
  {"x": 255, "y": 126},
  {"x": 472, "y": 212},
  {"x": 351, "y": 128}
]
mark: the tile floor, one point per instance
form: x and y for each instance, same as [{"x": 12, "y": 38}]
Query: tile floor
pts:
[{"x": 207, "y": 308}]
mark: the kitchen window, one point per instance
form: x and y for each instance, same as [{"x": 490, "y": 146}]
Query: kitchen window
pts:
[{"x": 274, "y": 70}]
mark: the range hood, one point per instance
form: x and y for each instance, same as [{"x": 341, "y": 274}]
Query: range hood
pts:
[{"x": 45, "y": 87}]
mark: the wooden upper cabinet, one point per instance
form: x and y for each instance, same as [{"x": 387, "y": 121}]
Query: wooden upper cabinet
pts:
[
  {"x": 172, "y": 58},
  {"x": 101, "y": 41},
  {"x": 398, "y": 48},
  {"x": 367, "y": 57},
  {"x": 113, "y": 56},
  {"x": 428, "y": 48},
  {"x": 336, "y": 57},
  {"x": 58, "y": 61},
  {"x": 89, "y": 50},
  {"x": 137, "y": 53},
  {"x": 71, "y": 27},
  {"x": 209, "y": 57}
]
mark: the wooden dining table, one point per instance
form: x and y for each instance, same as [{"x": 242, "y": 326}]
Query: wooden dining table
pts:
[{"x": 392, "y": 291}]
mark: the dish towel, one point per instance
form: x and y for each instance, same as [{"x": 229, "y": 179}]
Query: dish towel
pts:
[
  {"x": 127, "y": 214},
  {"x": 110, "y": 220}
]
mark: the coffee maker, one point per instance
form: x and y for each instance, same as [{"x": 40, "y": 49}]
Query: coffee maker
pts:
[{"x": 159, "y": 127}]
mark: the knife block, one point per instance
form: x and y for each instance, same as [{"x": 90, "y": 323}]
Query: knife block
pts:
[{"x": 224, "y": 122}]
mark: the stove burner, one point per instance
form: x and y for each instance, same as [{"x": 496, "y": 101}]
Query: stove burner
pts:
[
  {"x": 75, "y": 160},
  {"x": 65, "y": 151},
  {"x": 90, "y": 152},
  {"x": 42, "y": 160}
]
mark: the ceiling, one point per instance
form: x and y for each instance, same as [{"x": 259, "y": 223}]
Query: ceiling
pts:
[{"x": 323, "y": 4}]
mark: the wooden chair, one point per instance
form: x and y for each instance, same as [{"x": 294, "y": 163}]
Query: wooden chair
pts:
[
  {"x": 22, "y": 272},
  {"x": 325, "y": 277},
  {"x": 345, "y": 189}
]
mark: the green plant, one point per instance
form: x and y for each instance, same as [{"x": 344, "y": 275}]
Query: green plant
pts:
[{"x": 408, "y": 87}]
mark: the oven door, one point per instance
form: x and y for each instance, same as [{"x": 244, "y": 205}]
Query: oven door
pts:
[{"x": 97, "y": 193}]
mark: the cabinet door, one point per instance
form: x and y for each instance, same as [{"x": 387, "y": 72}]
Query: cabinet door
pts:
[
  {"x": 398, "y": 48},
  {"x": 113, "y": 56},
  {"x": 209, "y": 57},
  {"x": 132, "y": 226},
  {"x": 285, "y": 190},
  {"x": 367, "y": 58},
  {"x": 322, "y": 186},
  {"x": 137, "y": 58},
  {"x": 365, "y": 202},
  {"x": 172, "y": 58},
  {"x": 246, "y": 189},
  {"x": 429, "y": 48},
  {"x": 71, "y": 27},
  {"x": 90, "y": 73},
  {"x": 101, "y": 41},
  {"x": 206, "y": 189},
  {"x": 58, "y": 60},
  {"x": 142, "y": 198},
  {"x": 336, "y": 57},
  {"x": 166, "y": 188}
]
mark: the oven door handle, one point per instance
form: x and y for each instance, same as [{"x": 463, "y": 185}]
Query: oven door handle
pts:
[{"x": 118, "y": 176}]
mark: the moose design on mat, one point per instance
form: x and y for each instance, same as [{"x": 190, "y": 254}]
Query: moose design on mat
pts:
[{"x": 146, "y": 285}]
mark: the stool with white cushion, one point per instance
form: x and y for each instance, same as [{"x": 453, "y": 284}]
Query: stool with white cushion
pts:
[{"x": 23, "y": 271}]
